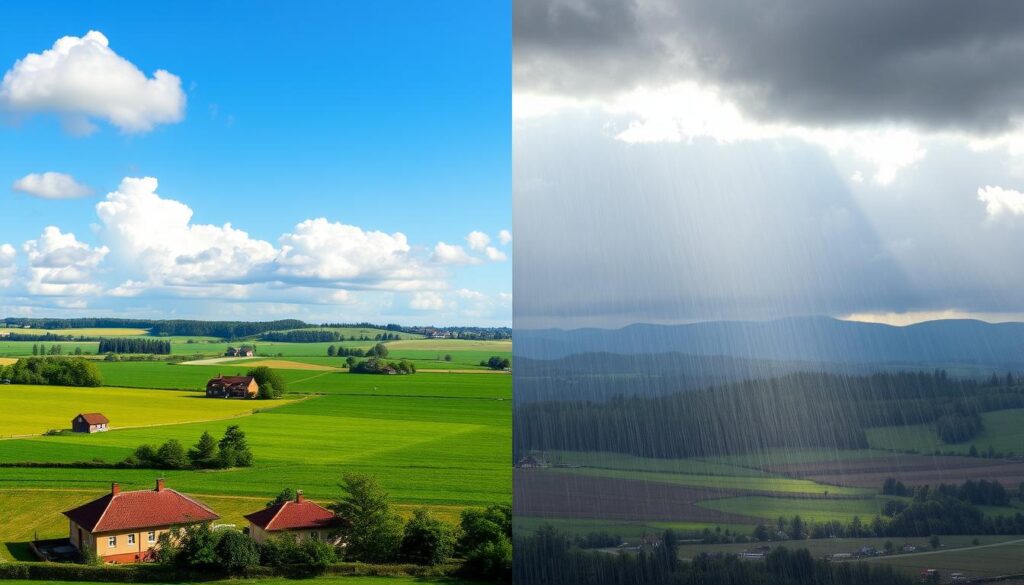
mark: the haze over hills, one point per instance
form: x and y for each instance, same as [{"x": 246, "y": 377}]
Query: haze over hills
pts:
[{"x": 803, "y": 339}]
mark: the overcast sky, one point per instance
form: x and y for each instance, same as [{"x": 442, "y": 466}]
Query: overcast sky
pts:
[
  {"x": 317, "y": 160},
  {"x": 685, "y": 161}
]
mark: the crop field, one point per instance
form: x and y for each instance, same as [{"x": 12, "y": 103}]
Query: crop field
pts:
[
  {"x": 1003, "y": 431},
  {"x": 627, "y": 530},
  {"x": 168, "y": 375},
  {"x": 987, "y": 560},
  {"x": 775, "y": 484},
  {"x": 37, "y": 409},
  {"x": 809, "y": 509}
]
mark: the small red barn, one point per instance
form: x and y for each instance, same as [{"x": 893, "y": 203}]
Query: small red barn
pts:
[{"x": 89, "y": 422}]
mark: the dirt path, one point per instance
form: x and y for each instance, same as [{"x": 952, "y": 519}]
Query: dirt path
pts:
[{"x": 957, "y": 549}]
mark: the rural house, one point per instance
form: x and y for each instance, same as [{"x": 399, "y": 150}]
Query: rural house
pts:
[
  {"x": 232, "y": 387},
  {"x": 89, "y": 422},
  {"x": 239, "y": 352},
  {"x": 124, "y": 527},
  {"x": 301, "y": 517}
]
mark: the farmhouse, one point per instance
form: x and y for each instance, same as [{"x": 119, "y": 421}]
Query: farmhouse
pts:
[
  {"x": 300, "y": 517},
  {"x": 232, "y": 387},
  {"x": 239, "y": 352},
  {"x": 89, "y": 422},
  {"x": 124, "y": 527}
]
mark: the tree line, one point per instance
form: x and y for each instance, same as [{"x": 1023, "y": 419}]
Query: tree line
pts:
[
  {"x": 134, "y": 345},
  {"x": 52, "y": 371},
  {"x": 232, "y": 450},
  {"x": 370, "y": 531},
  {"x": 795, "y": 410},
  {"x": 222, "y": 329},
  {"x": 549, "y": 556}
]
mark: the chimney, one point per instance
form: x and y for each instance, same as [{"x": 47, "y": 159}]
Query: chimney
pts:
[
  {"x": 298, "y": 497},
  {"x": 160, "y": 484},
  {"x": 115, "y": 489}
]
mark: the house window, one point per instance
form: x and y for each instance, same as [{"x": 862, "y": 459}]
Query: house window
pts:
[
  {"x": 151, "y": 536},
  {"x": 112, "y": 542},
  {"x": 131, "y": 539}
]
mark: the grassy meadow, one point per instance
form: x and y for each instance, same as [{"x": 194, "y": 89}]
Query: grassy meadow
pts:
[
  {"x": 1003, "y": 432},
  {"x": 439, "y": 440}
]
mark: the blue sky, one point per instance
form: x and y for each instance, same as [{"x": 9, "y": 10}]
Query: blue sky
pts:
[{"x": 385, "y": 116}]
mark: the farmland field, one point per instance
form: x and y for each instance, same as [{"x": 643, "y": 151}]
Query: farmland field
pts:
[
  {"x": 36, "y": 409},
  {"x": 82, "y": 332},
  {"x": 327, "y": 580},
  {"x": 1003, "y": 432},
  {"x": 432, "y": 439}
]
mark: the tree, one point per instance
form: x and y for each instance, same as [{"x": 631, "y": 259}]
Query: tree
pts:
[
  {"x": 331, "y": 351},
  {"x": 237, "y": 552},
  {"x": 171, "y": 455},
  {"x": 447, "y": 357},
  {"x": 426, "y": 540},
  {"x": 350, "y": 361},
  {"x": 204, "y": 454},
  {"x": 486, "y": 541},
  {"x": 267, "y": 392},
  {"x": 372, "y": 531},
  {"x": 233, "y": 450},
  {"x": 286, "y": 495},
  {"x": 935, "y": 542},
  {"x": 264, "y": 375},
  {"x": 497, "y": 363},
  {"x": 193, "y": 546},
  {"x": 379, "y": 350}
]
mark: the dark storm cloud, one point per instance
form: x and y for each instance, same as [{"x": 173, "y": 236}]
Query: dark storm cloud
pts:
[{"x": 935, "y": 64}]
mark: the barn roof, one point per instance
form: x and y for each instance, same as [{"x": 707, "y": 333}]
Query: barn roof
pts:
[
  {"x": 298, "y": 514},
  {"x": 139, "y": 509},
  {"x": 94, "y": 418}
]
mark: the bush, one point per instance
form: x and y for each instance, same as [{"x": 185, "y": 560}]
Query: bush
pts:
[
  {"x": 266, "y": 376},
  {"x": 237, "y": 553},
  {"x": 426, "y": 540},
  {"x": 372, "y": 531}
]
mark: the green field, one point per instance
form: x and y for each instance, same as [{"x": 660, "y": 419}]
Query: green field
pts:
[
  {"x": 30, "y": 410},
  {"x": 81, "y": 332},
  {"x": 764, "y": 483},
  {"x": 330, "y": 580},
  {"x": 622, "y": 461},
  {"x": 1003, "y": 431},
  {"x": 810, "y": 510},
  {"x": 629, "y": 531}
]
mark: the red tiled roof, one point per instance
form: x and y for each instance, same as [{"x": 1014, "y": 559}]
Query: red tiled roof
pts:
[
  {"x": 292, "y": 515},
  {"x": 139, "y": 509},
  {"x": 94, "y": 418}
]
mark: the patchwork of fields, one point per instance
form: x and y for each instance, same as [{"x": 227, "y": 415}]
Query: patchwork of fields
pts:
[{"x": 440, "y": 440}]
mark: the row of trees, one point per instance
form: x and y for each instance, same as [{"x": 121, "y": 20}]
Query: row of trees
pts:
[
  {"x": 231, "y": 451},
  {"x": 379, "y": 366},
  {"x": 222, "y": 329},
  {"x": 40, "y": 349},
  {"x": 549, "y": 556},
  {"x": 135, "y": 345},
  {"x": 796, "y": 410},
  {"x": 497, "y": 363},
  {"x": 52, "y": 371},
  {"x": 959, "y": 427},
  {"x": 980, "y": 493},
  {"x": 371, "y": 532}
]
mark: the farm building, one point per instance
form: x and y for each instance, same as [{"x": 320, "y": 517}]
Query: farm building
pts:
[
  {"x": 300, "y": 517},
  {"x": 239, "y": 352},
  {"x": 90, "y": 422},
  {"x": 232, "y": 387},
  {"x": 124, "y": 527}
]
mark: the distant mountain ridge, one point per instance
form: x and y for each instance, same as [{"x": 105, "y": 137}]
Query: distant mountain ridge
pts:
[{"x": 801, "y": 339}]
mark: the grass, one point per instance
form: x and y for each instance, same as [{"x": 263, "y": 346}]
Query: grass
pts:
[
  {"x": 604, "y": 460},
  {"x": 435, "y": 451},
  {"x": 809, "y": 509},
  {"x": 983, "y": 561},
  {"x": 168, "y": 375},
  {"x": 1004, "y": 432},
  {"x": 764, "y": 483},
  {"x": 629, "y": 531},
  {"x": 794, "y": 456},
  {"x": 36, "y": 409}
]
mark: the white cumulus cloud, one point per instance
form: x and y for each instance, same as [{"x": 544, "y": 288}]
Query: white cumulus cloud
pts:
[
  {"x": 51, "y": 185},
  {"x": 60, "y": 265},
  {"x": 495, "y": 255},
  {"x": 504, "y": 236},
  {"x": 8, "y": 267},
  {"x": 452, "y": 254},
  {"x": 999, "y": 201},
  {"x": 478, "y": 240},
  {"x": 82, "y": 79},
  {"x": 426, "y": 301}
]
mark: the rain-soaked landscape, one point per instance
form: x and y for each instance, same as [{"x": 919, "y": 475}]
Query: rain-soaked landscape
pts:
[{"x": 769, "y": 321}]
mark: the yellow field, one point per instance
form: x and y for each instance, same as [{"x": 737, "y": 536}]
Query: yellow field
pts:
[
  {"x": 6, "y": 361},
  {"x": 83, "y": 332},
  {"x": 290, "y": 365},
  {"x": 30, "y": 410},
  {"x": 504, "y": 345}
]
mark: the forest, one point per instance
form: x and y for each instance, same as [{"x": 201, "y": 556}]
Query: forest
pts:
[
  {"x": 134, "y": 345},
  {"x": 795, "y": 410}
]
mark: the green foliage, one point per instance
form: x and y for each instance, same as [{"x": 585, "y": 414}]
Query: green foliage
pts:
[
  {"x": 286, "y": 550},
  {"x": 52, "y": 371},
  {"x": 286, "y": 495},
  {"x": 193, "y": 546},
  {"x": 233, "y": 449},
  {"x": 267, "y": 376},
  {"x": 497, "y": 363},
  {"x": 204, "y": 454},
  {"x": 426, "y": 540},
  {"x": 379, "y": 350},
  {"x": 171, "y": 455},
  {"x": 372, "y": 531},
  {"x": 134, "y": 345},
  {"x": 237, "y": 552},
  {"x": 486, "y": 541}
]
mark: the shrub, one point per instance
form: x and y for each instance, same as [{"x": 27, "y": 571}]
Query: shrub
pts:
[{"x": 426, "y": 540}]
